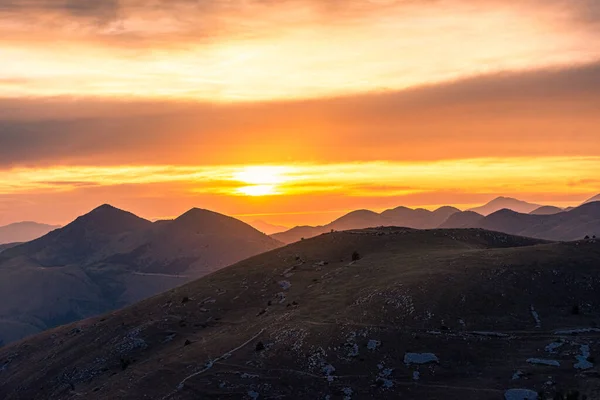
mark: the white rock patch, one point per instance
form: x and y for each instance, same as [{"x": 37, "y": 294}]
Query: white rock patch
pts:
[
  {"x": 520, "y": 394},
  {"x": 536, "y": 317},
  {"x": 577, "y": 331},
  {"x": 541, "y": 361},
  {"x": 582, "y": 359},
  {"x": 373, "y": 345},
  {"x": 420, "y": 358},
  {"x": 552, "y": 347}
]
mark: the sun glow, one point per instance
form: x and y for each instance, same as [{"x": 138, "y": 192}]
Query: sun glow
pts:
[{"x": 261, "y": 180}]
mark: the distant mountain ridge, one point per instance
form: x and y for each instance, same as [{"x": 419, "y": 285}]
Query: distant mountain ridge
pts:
[
  {"x": 109, "y": 258},
  {"x": 267, "y": 228},
  {"x": 401, "y": 216},
  {"x": 24, "y": 231},
  {"x": 443, "y": 217},
  {"x": 564, "y": 226},
  {"x": 501, "y": 203}
]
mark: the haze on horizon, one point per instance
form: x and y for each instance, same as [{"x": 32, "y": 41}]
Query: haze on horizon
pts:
[{"x": 295, "y": 111}]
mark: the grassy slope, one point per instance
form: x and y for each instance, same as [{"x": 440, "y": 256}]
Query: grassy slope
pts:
[{"x": 407, "y": 285}]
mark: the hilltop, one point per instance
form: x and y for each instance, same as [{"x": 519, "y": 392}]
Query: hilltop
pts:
[{"x": 379, "y": 313}]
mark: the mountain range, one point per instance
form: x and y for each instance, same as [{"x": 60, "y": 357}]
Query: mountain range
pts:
[
  {"x": 550, "y": 222},
  {"x": 24, "y": 231},
  {"x": 267, "y": 228},
  {"x": 380, "y": 313},
  {"x": 110, "y": 258},
  {"x": 400, "y": 216}
]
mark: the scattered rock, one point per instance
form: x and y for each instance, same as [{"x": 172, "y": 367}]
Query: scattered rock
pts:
[
  {"x": 420, "y": 358},
  {"x": 577, "y": 331},
  {"x": 520, "y": 394},
  {"x": 583, "y": 359},
  {"x": 552, "y": 347},
  {"x": 541, "y": 361},
  {"x": 373, "y": 344},
  {"x": 285, "y": 285}
]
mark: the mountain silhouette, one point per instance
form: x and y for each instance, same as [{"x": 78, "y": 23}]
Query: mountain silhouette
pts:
[
  {"x": 463, "y": 219},
  {"x": 400, "y": 216},
  {"x": 109, "y": 258},
  {"x": 564, "y": 226},
  {"x": 509, "y": 203},
  {"x": 546, "y": 210},
  {"x": 267, "y": 228},
  {"x": 593, "y": 199},
  {"x": 24, "y": 231}
]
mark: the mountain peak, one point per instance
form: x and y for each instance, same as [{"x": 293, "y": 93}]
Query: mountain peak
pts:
[
  {"x": 511, "y": 203},
  {"x": 109, "y": 219}
]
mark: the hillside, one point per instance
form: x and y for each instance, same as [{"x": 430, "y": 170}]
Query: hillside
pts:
[
  {"x": 24, "y": 232},
  {"x": 443, "y": 314},
  {"x": 508, "y": 203},
  {"x": 360, "y": 219},
  {"x": 7, "y": 246},
  {"x": 110, "y": 258}
]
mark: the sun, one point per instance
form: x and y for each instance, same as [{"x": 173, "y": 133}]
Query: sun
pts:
[{"x": 261, "y": 180}]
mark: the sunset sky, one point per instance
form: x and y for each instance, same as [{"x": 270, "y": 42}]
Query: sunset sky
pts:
[{"x": 295, "y": 111}]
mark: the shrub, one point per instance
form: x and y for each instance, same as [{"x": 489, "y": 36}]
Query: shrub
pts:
[{"x": 355, "y": 256}]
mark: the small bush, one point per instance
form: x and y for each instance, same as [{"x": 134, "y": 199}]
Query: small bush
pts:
[
  {"x": 125, "y": 362},
  {"x": 355, "y": 256}
]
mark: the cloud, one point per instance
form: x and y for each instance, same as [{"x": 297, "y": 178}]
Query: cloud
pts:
[{"x": 548, "y": 112}]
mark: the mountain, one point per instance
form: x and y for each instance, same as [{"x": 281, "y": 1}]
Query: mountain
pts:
[
  {"x": 109, "y": 258},
  {"x": 437, "y": 314},
  {"x": 24, "y": 231},
  {"x": 546, "y": 210},
  {"x": 593, "y": 199},
  {"x": 463, "y": 219},
  {"x": 401, "y": 216},
  {"x": 419, "y": 218},
  {"x": 508, "y": 203},
  {"x": 565, "y": 226},
  {"x": 267, "y": 228}
]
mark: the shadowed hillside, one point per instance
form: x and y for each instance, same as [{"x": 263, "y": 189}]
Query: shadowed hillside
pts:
[
  {"x": 381, "y": 313},
  {"x": 110, "y": 258}
]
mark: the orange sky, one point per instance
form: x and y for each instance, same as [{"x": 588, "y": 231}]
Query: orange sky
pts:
[{"x": 295, "y": 111}]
